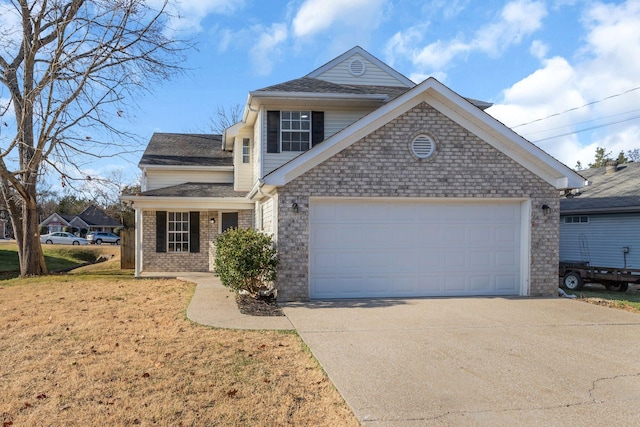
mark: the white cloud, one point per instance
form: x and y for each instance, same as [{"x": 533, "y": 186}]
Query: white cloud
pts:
[
  {"x": 518, "y": 19},
  {"x": 315, "y": 16},
  {"x": 187, "y": 15},
  {"x": 539, "y": 49},
  {"x": 266, "y": 50},
  {"x": 602, "y": 72}
]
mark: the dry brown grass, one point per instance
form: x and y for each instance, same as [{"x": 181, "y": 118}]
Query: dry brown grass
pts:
[{"x": 80, "y": 350}]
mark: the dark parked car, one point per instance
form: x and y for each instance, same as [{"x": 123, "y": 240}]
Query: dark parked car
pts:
[{"x": 101, "y": 237}]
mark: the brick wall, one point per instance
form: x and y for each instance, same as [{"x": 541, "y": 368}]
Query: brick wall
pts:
[
  {"x": 382, "y": 165},
  {"x": 201, "y": 261}
]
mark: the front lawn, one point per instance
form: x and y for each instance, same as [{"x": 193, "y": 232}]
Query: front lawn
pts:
[
  {"x": 98, "y": 347},
  {"x": 596, "y": 294},
  {"x": 57, "y": 257}
]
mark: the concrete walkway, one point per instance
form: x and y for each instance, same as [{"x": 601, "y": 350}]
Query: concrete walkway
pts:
[{"x": 214, "y": 305}]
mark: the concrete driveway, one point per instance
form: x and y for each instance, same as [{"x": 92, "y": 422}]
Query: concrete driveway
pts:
[{"x": 477, "y": 361}]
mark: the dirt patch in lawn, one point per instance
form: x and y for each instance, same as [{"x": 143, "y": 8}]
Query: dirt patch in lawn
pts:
[
  {"x": 258, "y": 306},
  {"x": 94, "y": 350}
]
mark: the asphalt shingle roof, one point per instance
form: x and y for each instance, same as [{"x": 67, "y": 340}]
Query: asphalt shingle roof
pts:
[
  {"x": 618, "y": 191},
  {"x": 93, "y": 215},
  {"x": 181, "y": 149},
  {"x": 311, "y": 85},
  {"x": 195, "y": 189}
]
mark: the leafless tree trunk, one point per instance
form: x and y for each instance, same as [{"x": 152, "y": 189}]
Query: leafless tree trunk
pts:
[{"x": 70, "y": 68}]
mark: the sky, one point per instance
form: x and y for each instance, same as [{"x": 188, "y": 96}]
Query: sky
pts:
[{"x": 565, "y": 74}]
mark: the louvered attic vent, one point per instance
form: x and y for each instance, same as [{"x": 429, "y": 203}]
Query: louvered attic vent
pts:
[
  {"x": 423, "y": 146},
  {"x": 356, "y": 67}
]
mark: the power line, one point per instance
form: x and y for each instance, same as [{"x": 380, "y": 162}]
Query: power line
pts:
[
  {"x": 588, "y": 129},
  {"x": 577, "y": 108},
  {"x": 580, "y": 123}
]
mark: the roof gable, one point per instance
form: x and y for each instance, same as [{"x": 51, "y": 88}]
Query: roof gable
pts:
[
  {"x": 359, "y": 67},
  {"x": 456, "y": 108}
]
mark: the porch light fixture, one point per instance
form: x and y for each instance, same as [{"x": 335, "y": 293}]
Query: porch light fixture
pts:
[
  {"x": 545, "y": 209},
  {"x": 295, "y": 208},
  {"x": 212, "y": 220}
]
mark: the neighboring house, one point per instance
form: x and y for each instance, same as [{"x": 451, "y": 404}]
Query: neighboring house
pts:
[
  {"x": 91, "y": 219},
  {"x": 600, "y": 223},
  {"x": 56, "y": 222},
  {"x": 371, "y": 186}
]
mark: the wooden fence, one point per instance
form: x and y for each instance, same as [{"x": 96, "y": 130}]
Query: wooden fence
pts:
[{"x": 128, "y": 249}]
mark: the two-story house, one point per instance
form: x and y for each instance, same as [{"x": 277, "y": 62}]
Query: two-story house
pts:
[{"x": 371, "y": 185}]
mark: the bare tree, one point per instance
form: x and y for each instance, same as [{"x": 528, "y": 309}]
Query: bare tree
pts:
[
  {"x": 70, "y": 68},
  {"x": 634, "y": 155},
  {"x": 225, "y": 117}
]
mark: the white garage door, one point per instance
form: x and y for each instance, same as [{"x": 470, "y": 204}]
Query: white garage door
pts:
[{"x": 367, "y": 248}]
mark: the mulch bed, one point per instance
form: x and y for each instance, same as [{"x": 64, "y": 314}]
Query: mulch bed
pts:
[{"x": 258, "y": 306}]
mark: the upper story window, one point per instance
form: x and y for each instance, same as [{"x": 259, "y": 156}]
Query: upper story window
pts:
[
  {"x": 294, "y": 130},
  {"x": 246, "y": 153}
]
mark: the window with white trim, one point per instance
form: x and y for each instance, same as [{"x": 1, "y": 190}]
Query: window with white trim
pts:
[
  {"x": 246, "y": 147},
  {"x": 576, "y": 219},
  {"x": 178, "y": 231},
  {"x": 295, "y": 130}
]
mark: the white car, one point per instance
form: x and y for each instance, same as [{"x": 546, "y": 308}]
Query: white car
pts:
[
  {"x": 102, "y": 237},
  {"x": 62, "y": 238}
]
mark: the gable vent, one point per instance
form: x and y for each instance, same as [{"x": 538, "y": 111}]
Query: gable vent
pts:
[
  {"x": 423, "y": 146},
  {"x": 356, "y": 67}
]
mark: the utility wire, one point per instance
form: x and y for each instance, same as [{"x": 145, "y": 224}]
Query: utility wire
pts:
[
  {"x": 580, "y": 123},
  {"x": 577, "y": 108},
  {"x": 588, "y": 129}
]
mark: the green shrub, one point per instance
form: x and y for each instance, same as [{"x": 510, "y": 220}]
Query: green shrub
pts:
[{"x": 246, "y": 260}]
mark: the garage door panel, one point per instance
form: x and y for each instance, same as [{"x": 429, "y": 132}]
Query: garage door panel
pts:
[
  {"x": 480, "y": 260},
  {"x": 455, "y": 260},
  {"x": 478, "y": 236},
  {"x": 507, "y": 283},
  {"x": 369, "y": 248},
  {"x": 480, "y": 284},
  {"x": 505, "y": 259},
  {"x": 324, "y": 236},
  {"x": 454, "y": 284},
  {"x": 350, "y": 233},
  {"x": 324, "y": 260}
]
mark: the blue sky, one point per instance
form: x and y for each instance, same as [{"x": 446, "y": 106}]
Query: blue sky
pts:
[{"x": 531, "y": 58}]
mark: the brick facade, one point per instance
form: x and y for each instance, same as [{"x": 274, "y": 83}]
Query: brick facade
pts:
[
  {"x": 382, "y": 165},
  {"x": 200, "y": 261}
]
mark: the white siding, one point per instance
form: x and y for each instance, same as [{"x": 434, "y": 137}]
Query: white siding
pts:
[
  {"x": 600, "y": 241},
  {"x": 243, "y": 172},
  {"x": 267, "y": 216},
  {"x": 167, "y": 178},
  {"x": 373, "y": 74},
  {"x": 335, "y": 121}
]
